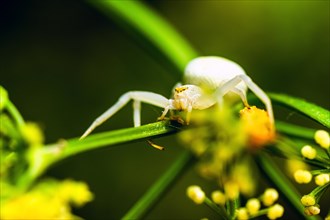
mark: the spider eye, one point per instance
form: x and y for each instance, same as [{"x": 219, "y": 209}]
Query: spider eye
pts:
[{"x": 181, "y": 89}]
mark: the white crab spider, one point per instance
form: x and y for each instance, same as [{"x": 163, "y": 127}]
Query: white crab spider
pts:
[{"x": 217, "y": 74}]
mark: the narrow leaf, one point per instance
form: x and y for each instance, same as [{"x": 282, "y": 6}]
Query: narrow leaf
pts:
[
  {"x": 156, "y": 191},
  {"x": 111, "y": 138},
  {"x": 313, "y": 111}
]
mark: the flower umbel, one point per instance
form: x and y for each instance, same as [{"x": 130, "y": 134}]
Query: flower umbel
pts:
[{"x": 50, "y": 199}]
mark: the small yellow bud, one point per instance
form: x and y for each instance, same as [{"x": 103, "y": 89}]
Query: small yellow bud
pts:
[
  {"x": 269, "y": 197},
  {"x": 276, "y": 211},
  {"x": 293, "y": 165},
  {"x": 218, "y": 197},
  {"x": 302, "y": 176},
  {"x": 322, "y": 179},
  {"x": 253, "y": 206},
  {"x": 308, "y": 152},
  {"x": 312, "y": 210},
  {"x": 33, "y": 134},
  {"x": 322, "y": 138},
  {"x": 196, "y": 194},
  {"x": 242, "y": 214},
  {"x": 308, "y": 200},
  {"x": 231, "y": 190}
]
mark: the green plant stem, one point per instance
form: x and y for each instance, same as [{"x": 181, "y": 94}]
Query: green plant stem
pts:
[
  {"x": 149, "y": 199},
  {"x": 283, "y": 184},
  {"x": 76, "y": 146},
  {"x": 232, "y": 206},
  {"x": 15, "y": 114},
  {"x": 134, "y": 15},
  {"x": 295, "y": 130},
  {"x": 48, "y": 155},
  {"x": 218, "y": 209}
]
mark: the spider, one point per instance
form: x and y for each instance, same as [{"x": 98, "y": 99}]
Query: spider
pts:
[{"x": 215, "y": 74}]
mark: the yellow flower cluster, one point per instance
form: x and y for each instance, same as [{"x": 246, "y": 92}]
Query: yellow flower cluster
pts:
[
  {"x": 253, "y": 205},
  {"x": 257, "y": 126},
  {"x": 217, "y": 137},
  {"x": 48, "y": 200},
  {"x": 252, "y": 208},
  {"x": 321, "y": 177},
  {"x": 311, "y": 208}
]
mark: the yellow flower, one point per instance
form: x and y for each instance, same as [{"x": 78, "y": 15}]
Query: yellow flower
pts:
[
  {"x": 322, "y": 179},
  {"x": 312, "y": 210},
  {"x": 308, "y": 152},
  {"x": 253, "y": 206},
  {"x": 32, "y": 134},
  {"x": 269, "y": 197},
  {"x": 302, "y": 176},
  {"x": 218, "y": 197},
  {"x": 257, "y": 126},
  {"x": 48, "y": 200},
  {"x": 231, "y": 190},
  {"x": 35, "y": 205},
  {"x": 276, "y": 211},
  {"x": 322, "y": 138},
  {"x": 308, "y": 200},
  {"x": 196, "y": 194},
  {"x": 242, "y": 214},
  {"x": 75, "y": 192}
]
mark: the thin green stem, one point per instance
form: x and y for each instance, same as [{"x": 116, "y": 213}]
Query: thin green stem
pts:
[
  {"x": 295, "y": 130},
  {"x": 156, "y": 191},
  {"x": 75, "y": 146},
  {"x": 232, "y": 206},
  {"x": 319, "y": 191},
  {"x": 218, "y": 209},
  {"x": 48, "y": 155},
  {"x": 280, "y": 180},
  {"x": 15, "y": 114}
]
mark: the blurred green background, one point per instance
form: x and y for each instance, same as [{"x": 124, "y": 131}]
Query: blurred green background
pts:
[{"x": 64, "y": 63}]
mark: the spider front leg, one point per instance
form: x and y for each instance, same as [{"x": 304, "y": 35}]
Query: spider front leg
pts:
[
  {"x": 231, "y": 86},
  {"x": 261, "y": 95},
  {"x": 137, "y": 97}
]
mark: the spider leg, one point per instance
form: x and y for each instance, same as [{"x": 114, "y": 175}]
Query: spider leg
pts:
[
  {"x": 230, "y": 86},
  {"x": 260, "y": 94},
  {"x": 137, "y": 113},
  {"x": 242, "y": 94},
  {"x": 138, "y": 97},
  {"x": 225, "y": 88}
]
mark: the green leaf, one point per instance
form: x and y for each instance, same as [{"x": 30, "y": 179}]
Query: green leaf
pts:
[
  {"x": 156, "y": 191},
  {"x": 295, "y": 130},
  {"x": 111, "y": 138},
  {"x": 313, "y": 111}
]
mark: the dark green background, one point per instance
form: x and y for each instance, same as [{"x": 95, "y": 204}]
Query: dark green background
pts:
[{"x": 64, "y": 63}]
